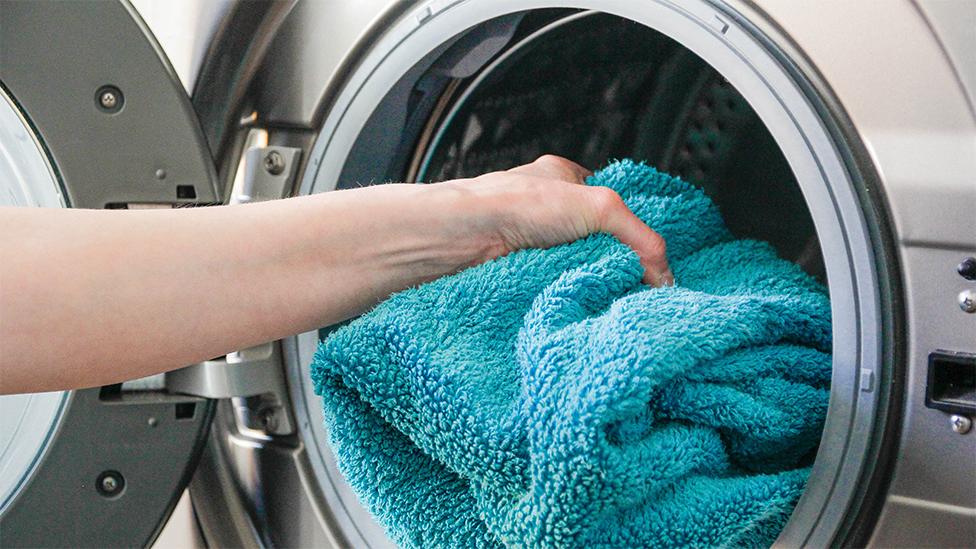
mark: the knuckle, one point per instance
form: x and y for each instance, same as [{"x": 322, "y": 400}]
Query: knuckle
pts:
[
  {"x": 550, "y": 160},
  {"x": 556, "y": 164},
  {"x": 607, "y": 199},
  {"x": 607, "y": 203}
]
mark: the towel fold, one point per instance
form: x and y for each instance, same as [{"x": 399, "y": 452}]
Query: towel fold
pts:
[{"x": 549, "y": 399}]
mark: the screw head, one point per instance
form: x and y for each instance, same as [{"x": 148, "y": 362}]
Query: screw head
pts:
[
  {"x": 961, "y": 424},
  {"x": 109, "y": 99},
  {"x": 274, "y": 163},
  {"x": 967, "y": 268},
  {"x": 268, "y": 419},
  {"x": 967, "y": 301},
  {"x": 110, "y": 483}
]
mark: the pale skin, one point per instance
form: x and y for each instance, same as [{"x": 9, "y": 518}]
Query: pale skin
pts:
[{"x": 93, "y": 297}]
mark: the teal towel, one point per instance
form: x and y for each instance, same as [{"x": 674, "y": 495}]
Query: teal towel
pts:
[{"x": 549, "y": 399}]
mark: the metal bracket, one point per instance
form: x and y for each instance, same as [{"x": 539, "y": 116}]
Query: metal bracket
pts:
[
  {"x": 268, "y": 173},
  {"x": 243, "y": 373},
  {"x": 255, "y": 372}
]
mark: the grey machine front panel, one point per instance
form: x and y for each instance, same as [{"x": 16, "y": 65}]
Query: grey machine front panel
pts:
[
  {"x": 54, "y": 59},
  {"x": 144, "y": 442},
  {"x": 145, "y": 149}
]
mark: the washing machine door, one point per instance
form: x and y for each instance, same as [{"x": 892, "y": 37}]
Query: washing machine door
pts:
[{"x": 93, "y": 116}]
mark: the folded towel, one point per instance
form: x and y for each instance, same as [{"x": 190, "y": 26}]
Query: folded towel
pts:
[{"x": 548, "y": 398}]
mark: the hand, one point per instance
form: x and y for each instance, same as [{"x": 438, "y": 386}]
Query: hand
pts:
[{"x": 545, "y": 203}]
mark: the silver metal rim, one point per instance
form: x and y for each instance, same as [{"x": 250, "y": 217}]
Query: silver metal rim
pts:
[
  {"x": 794, "y": 123},
  {"x": 27, "y": 179}
]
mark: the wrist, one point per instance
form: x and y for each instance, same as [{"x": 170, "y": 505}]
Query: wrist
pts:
[
  {"x": 399, "y": 235},
  {"x": 461, "y": 225}
]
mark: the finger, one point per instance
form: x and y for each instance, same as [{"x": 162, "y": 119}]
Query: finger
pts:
[
  {"x": 555, "y": 167},
  {"x": 615, "y": 218}
]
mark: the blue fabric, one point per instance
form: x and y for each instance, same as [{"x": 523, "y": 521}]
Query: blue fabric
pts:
[{"x": 547, "y": 398}]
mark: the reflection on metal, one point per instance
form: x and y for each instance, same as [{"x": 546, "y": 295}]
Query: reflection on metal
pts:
[
  {"x": 255, "y": 491},
  {"x": 961, "y": 424},
  {"x": 220, "y": 93},
  {"x": 967, "y": 301}
]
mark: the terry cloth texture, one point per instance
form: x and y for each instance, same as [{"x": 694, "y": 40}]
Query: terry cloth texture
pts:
[{"x": 549, "y": 399}]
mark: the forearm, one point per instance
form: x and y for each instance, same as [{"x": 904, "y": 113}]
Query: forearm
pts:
[{"x": 94, "y": 297}]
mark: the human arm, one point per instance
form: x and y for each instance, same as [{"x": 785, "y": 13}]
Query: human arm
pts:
[{"x": 91, "y": 297}]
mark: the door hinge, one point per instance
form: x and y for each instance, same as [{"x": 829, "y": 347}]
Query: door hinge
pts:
[{"x": 252, "y": 377}]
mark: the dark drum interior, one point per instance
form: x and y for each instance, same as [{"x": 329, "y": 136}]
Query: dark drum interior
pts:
[{"x": 594, "y": 87}]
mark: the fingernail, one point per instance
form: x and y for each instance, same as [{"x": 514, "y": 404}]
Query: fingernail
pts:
[{"x": 665, "y": 279}]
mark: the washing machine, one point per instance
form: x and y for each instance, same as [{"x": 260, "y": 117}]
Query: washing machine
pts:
[{"x": 842, "y": 132}]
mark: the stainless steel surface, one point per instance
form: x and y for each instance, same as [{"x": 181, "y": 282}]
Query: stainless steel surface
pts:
[
  {"x": 921, "y": 158},
  {"x": 255, "y": 492},
  {"x": 960, "y": 424},
  {"x": 185, "y": 30},
  {"x": 242, "y": 373},
  {"x": 181, "y": 530},
  {"x": 933, "y": 476},
  {"x": 902, "y": 72},
  {"x": 925, "y": 155},
  {"x": 269, "y": 173},
  {"x": 312, "y": 51},
  {"x": 953, "y": 23},
  {"x": 222, "y": 95}
]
